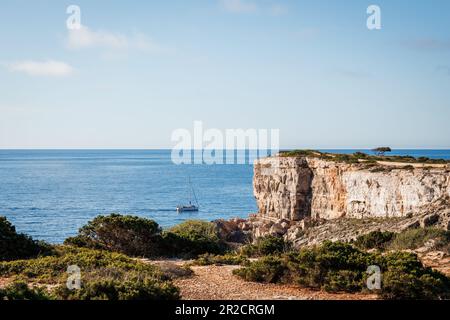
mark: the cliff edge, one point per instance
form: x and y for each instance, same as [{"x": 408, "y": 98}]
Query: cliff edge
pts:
[{"x": 295, "y": 188}]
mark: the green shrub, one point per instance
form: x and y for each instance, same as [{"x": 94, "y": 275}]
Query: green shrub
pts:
[
  {"x": 192, "y": 238},
  {"x": 141, "y": 237},
  {"x": 19, "y": 290},
  {"x": 15, "y": 245},
  {"x": 103, "y": 275},
  {"x": 407, "y": 278},
  {"x": 133, "y": 288},
  {"x": 416, "y": 238},
  {"x": 360, "y": 155},
  {"x": 227, "y": 259},
  {"x": 300, "y": 153},
  {"x": 343, "y": 280},
  {"x": 353, "y": 158},
  {"x": 374, "y": 240},
  {"x": 265, "y": 246},
  {"x": 130, "y": 235},
  {"x": 335, "y": 266},
  {"x": 267, "y": 269}
]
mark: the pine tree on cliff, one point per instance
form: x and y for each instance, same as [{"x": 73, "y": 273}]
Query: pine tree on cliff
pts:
[{"x": 380, "y": 151}]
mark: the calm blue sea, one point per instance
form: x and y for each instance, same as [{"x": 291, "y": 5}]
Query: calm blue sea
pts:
[{"x": 49, "y": 194}]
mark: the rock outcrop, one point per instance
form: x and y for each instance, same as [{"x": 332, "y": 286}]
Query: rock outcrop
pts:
[
  {"x": 307, "y": 200},
  {"x": 294, "y": 188}
]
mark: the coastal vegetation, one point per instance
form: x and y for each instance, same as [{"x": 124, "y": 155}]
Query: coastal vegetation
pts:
[
  {"x": 129, "y": 235},
  {"x": 18, "y": 246},
  {"x": 109, "y": 249},
  {"x": 192, "y": 238},
  {"x": 340, "y": 267},
  {"x": 105, "y": 275},
  {"x": 360, "y": 157},
  {"x": 140, "y": 237},
  {"x": 374, "y": 240},
  {"x": 437, "y": 239},
  {"x": 226, "y": 259},
  {"x": 265, "y": 246},
  {"x": 410, "y": 239},
  {"x": 381, "y": 150}
]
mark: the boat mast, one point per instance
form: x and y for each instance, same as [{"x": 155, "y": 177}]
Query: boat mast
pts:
[{"x": 192, "y": 192}]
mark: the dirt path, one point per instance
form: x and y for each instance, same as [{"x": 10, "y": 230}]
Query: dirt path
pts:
[
  {"x": 218, "y": 283},
  {"x": 4, "y": 282}
]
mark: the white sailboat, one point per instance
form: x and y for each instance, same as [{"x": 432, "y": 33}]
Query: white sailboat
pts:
[{"x": 189, "y": 207}]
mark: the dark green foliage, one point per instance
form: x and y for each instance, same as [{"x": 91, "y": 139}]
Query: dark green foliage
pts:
[
  {"x": 343, "y": 280},
  {"x": 415, "y": 238},
  {"x": 381, "y": 150},
  {"x": 141, "y": 237},
  {"x": 130, "y": 235},
  {"x": 267, "y": 269},
  {"x": 406, "y": 240},
  {"x": 333, "y": 266},
  {"x": 360, "y": 155},
  {"x": 192, "y": 238},
  {"x": 355, "y": 157},
  {"x": 374, "y": 240},
  {"x": 104, "y": 275},
  {"x": 300, "y": 153},
  {"x": 342, "y": 267},
  {"x": 19, "y": 290},
  {"x": 132, "y": 288},
  {"x": 265, "y": 246},
  {"x": 15, "y": 245},
  {"x": 407, "y": 278}
]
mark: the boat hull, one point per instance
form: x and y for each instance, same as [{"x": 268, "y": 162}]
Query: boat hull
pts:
[{"x": 187, "y": 209}]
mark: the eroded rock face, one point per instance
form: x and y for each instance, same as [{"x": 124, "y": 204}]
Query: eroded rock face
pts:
[
  {"x": 297, "y": 188},
  {"x": 283, "y": 189}
]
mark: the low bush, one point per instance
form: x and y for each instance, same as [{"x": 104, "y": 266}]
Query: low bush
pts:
[
  {"x": 130, "y": 235},
  {"x": 416, "y": 238},
  {"x": 265, "y": 246},
  {"x": 104, "y": 275},
  {"x": 335, "y": 266},
  {"x": 406, "y": 278},
  {"x": 192, "y": 238},
  {"x": 324, "y": 267},
  {"x": 354, "y": 158},
  {"x": 270, "y": 269},
  {"x": 374, "y": 240},
  {"x": 19, "y": 290},
  {"x": 15, "y": 245},
  {"x": 132, "y": 288},
  {"x": 140, "y": 237}
]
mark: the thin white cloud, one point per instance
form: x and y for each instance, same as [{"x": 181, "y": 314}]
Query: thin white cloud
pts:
[
  {"x": 87, "y": 38},
  {"x": 239, "y": 6},
  {"x": 49, "y": 68}
]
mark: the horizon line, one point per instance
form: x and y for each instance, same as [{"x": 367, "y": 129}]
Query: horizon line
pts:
[{"x": 169, "y": 149}]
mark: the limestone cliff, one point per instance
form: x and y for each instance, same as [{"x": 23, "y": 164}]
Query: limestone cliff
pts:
[{"x": 294, "y": 188}]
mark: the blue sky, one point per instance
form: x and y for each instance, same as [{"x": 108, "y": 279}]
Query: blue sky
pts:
[{"x": 140, "y": 70}]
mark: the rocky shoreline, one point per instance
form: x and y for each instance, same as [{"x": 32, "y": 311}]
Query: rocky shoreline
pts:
[{"x": 307, "y": 232}]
